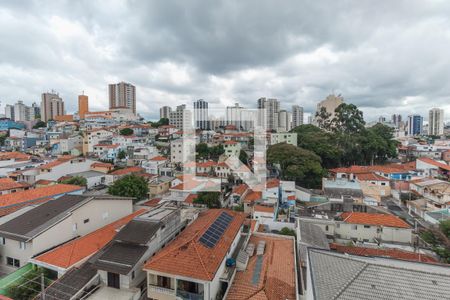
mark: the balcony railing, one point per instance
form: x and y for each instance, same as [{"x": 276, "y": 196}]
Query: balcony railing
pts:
[
  {"x": 189, "y": 296},
  {"x": 160, "y": 290}
]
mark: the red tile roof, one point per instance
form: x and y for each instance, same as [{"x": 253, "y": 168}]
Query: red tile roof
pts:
[
  {"x": 60, "y": 160},
  {"x": 393, "y": 253},
  {"x": 273, "y": 182},
  {"x": 158, "y": 158},
  {"x": 277, "y": 276},
  {"x": 37, "y": 193},
  {"x": 152, "y": 202},
  {"x": 6, "y": 210},
  {"x": 230, "y": 143},
  {"x": 44, "y": 182},
  {"x": 190, "y": 199},
  {"x": 374, "y": 219},
  {"x": 101, "y": 165},
  {"x": 128, "y": 170},
  {"x": 434, "y": 163},
  {"x": 252, "y": 196},
  {"x": 186, "y": 256},
  {"x": 240, "y": 189},
  {"x": 18, "y": 156},
  {"x": 370, "y": 177},
  {"x": 262, "y": 208},
  {"x": 9, "y": 184},
  {"x": 76, "y": 250}
]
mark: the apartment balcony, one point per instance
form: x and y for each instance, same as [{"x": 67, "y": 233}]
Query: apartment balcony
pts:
[
  {"x": 160, "y": 290},
  {"x": 189, "y": 296}
]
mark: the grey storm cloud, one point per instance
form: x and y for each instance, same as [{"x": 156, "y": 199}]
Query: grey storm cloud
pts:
[{"x": 384, "y": 56}]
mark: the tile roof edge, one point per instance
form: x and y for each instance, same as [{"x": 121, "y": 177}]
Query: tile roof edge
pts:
[{"x": 347, "y": 284}]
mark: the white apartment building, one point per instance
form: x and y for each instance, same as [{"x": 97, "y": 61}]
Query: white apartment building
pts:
[
  {"x": 283, "y": 137},
  {"x": 297, "y": 116},
  {"x": 436, "y": 121},
  {"x": 56, "y": 222}
]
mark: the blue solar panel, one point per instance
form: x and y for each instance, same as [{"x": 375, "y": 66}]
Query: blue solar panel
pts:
[{"x": 216, "y": 230}]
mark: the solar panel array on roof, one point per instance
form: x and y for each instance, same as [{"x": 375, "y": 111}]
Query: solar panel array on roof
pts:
[{"x": 216, "y": 230}]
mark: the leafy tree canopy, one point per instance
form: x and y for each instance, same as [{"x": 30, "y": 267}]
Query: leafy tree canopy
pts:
[
  {"x": 39, "y": 124},
  {"x": 130, "y": 186},
  {"x": 76, "y": 180},
  {"x": 298, "y": 164},
  {"x": 126, "y": 131},
  {"x": 210, "y": 199}
]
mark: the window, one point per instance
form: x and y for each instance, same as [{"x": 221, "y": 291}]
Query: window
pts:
[
  {"x": 22, "y": 245},
  {"x": 354, "y": 227},
  {"x": 326, "y": 227},
  {"x": 86, "y": 221},
  {"x": 2, "y": 240},
  {"x": 13, "y": 262},
  {"x": 132, "y": 275},
  {"x": 366, "y": 226},
  {"x": 74, "y": 227}
]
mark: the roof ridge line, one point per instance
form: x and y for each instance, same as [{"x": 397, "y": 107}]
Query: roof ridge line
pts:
[
  {"x": 346, "y": 285},
  {"x": 201, "y": 262}
]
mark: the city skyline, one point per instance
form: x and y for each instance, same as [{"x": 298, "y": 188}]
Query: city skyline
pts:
[{"x": 171, "y": 57}]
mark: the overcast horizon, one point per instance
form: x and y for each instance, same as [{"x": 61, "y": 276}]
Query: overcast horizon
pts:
[{"x": 383, "y": 56}]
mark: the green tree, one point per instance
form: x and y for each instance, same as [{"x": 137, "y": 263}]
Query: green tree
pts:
[
  {"x": 302, "y": 166},
  {"x": 130, "y": 186},
  {"x": 243, "y": 156},
  {"x": 348, "y": 119},
  {"x": 321, "y": 142},
  {"x": 122, "y": 154},
  {"x": 287, "y": 231},
  {"x": 202, "y": 150},
  {"x": 445, "y": 227},
  {"x": 126, "y": 131},
  {"x": 29, "y": 285},
  {"x": 210, "y": 199},
  {"x": 323, "y": 119},
  {"x": 76, "y": 180},
  {"x": 39, "y": 124}
]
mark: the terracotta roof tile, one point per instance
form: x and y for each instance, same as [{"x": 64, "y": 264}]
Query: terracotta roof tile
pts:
[
  {"x": 374, "y": 219},
  {"x": 37, "y": 193},
  {"x": 393, "y": 253},
  {"x": 158, "y": 158},
  {"x": 186, "y": 256},
  {"x": 262, "y": 208},
  {"x": 253, "y": 196},
  {"x": 76, "y": 250},
  {"x": 434, "y": 163},
  {"x": 19, "y": 156},
  {"x": 370, "y": 177},
  {"x": 128, "y": 170},
  {"x": 277, "y": 276},
  {"x": 10, "y": 184},
  {"x": 240, "y": 189},
  {"x": 190, "y": 199}
]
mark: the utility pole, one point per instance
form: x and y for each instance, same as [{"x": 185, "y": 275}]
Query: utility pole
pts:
[{"x": 42, "y": 286}]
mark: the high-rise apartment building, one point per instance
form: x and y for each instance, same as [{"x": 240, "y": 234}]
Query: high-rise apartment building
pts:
[
  {"x": 23, "y": 112},
  {"x": 234, "y": 115},
  {"x": 181, "y": 118},
  {"x": 9, "y": 111},
  {"x": 415, "y": 125},
  {"x": 297, "y": 116},
  {"x": 51, "y": 106},
  {"x": 396, "y": 120},
  {"x": 284, "y": 121},
  {"x": 20, "y": 112},
  {"x": 201, "y": 114},
  {"x": 122, "y": 95},
  {"x": 164, "y": 112},
  {"x": 83, "y": 105},
  {"x": 270, "y": 117},
  {"x": 329, "y": 104},
  {"x": 436, "y": 121}
]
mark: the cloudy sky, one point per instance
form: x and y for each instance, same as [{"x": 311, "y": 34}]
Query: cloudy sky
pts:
[{"x": 384, "y": 56}]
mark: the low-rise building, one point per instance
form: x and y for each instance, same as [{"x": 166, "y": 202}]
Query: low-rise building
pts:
[
  {"x": 283, "y": 137},
  {"x": 194, "y": 265},
  {"x": 56, "y": 222}
]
